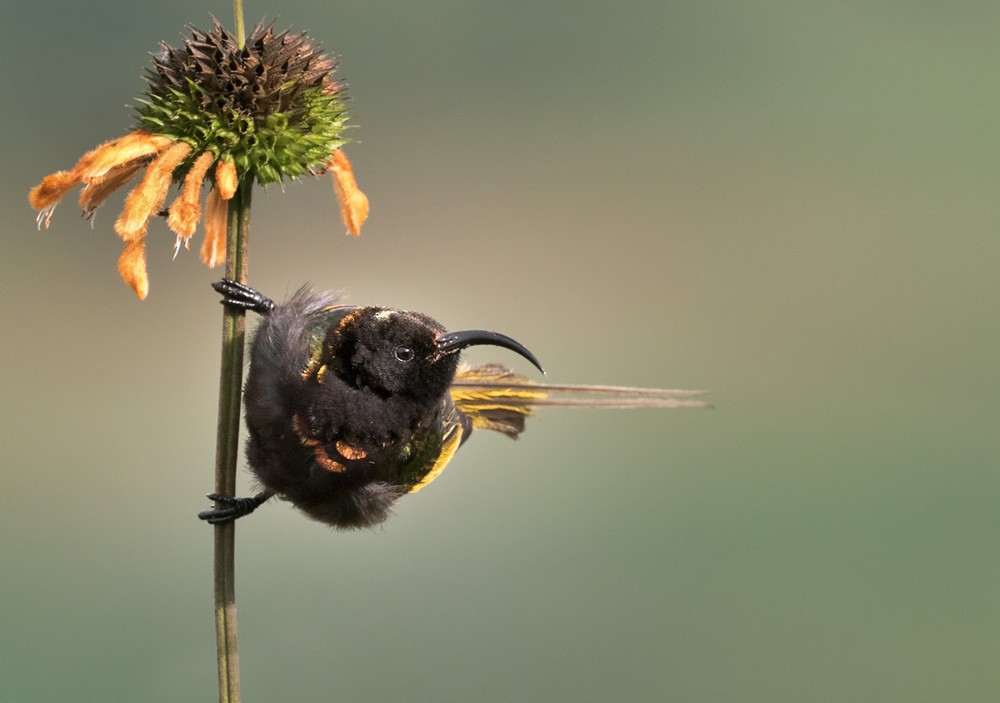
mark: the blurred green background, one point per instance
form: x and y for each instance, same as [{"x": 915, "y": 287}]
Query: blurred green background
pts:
[{"x": 790, "y": 204}]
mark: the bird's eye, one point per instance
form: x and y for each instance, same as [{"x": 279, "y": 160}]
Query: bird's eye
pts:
[{"x": 403, "y": 353}]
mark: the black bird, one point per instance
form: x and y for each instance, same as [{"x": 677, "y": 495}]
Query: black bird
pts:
[{"x": 350, "y": 408}]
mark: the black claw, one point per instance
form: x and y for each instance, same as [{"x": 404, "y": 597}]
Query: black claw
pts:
[
  {"x": 229, "y": 508},
  {"x": 238, "y": 295}
]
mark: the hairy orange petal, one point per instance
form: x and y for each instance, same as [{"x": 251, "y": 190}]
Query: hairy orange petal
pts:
[
  {"x": 47, "y": 194},
  {"x": 353, "y": 202},
  {"x": 134, "y": 145},
  {"x": 225, "y": 179},
  {"x": 95, "y": 163},
  {"x": 85, "y": 162},
  {"x": 97, "y": 190},
  {"x": 132, "y": 267},
  {"x": 213, "y": 250},
  {"x": 147, "y": 197},
  {"x": 52, "y": 188},
  {"x": 186, "y": 208}
]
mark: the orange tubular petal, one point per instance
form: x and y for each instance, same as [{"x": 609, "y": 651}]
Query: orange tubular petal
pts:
[
  {"x": 134, "y": 145},
  {"x": 213, "y": 250},
  {"x": 225, "y": 179},
  {"x": 353, "y": 202},
  {"x": 186, "y": 209},
  {"x": 97, "y": 190},
  {"x": 147, "y": 197},
  {"x": 52, "y": 188},
  {"x": 132, "y": 267},
  {"x": 50, "y": 191},
  {"x": 94, "y": 164}
]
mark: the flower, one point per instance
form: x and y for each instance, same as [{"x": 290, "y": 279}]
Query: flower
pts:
[{"x": 263, "y": 112}]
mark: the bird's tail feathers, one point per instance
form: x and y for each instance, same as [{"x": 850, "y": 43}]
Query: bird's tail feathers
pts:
[{"x": 495, "y": 398}]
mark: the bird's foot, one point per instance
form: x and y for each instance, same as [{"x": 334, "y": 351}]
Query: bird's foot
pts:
[
  {"x": 238, "y": 295},
  {"x": 229, "y": 508}
]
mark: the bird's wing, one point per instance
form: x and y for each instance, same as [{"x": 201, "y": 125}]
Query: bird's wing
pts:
[{"x": 495, "y": 398}]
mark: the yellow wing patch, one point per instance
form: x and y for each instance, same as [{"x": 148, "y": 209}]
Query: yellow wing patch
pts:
[
  {"x": 452, "y": 441},
  {"x": 494, "y": 398}
]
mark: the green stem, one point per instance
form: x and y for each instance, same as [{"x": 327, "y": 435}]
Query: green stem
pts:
[
  {"x": 227, "y": 446},
  {"x": 241, "y": 32}
]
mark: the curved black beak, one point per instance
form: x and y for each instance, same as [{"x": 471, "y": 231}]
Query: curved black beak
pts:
[{"x": 451, "y": 342}]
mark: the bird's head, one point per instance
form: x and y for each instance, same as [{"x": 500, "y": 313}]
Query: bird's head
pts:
[{"x": 394, "y": 352}]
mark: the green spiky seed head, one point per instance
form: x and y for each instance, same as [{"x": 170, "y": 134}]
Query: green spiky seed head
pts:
[{"x": 271, "y": 106}]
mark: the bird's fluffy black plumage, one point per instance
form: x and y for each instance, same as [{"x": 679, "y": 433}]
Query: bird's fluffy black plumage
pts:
[
  {"x": 337, "y": 425},
  {"x": 350, "y": 408}
]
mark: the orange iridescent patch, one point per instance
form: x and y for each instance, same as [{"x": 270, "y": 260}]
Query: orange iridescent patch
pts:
[
  {"x": 350, "y": 453},
  {"x": 324, "y": 461},
  {"x": 301, "y": 429}
]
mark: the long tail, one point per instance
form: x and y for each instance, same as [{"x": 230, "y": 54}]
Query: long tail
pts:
[{"x": 495, "y": 398}]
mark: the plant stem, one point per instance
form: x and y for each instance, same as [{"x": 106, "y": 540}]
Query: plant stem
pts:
[
  {"x": 227, "y": 446},
  {"x": 241, "y": 32}
]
